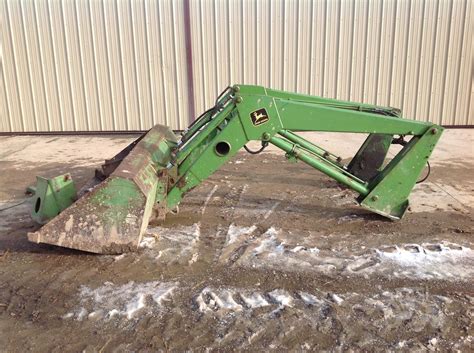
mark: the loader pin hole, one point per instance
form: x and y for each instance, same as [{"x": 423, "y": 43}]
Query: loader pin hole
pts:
[
  {"x": 222, "y": 148},
  {"x": 37, "y": 204}
]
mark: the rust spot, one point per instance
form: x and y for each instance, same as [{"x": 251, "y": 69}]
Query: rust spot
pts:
[{"x": 182, "y": 182}]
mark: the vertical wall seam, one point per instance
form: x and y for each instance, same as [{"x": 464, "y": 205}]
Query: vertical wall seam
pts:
[
  {"x": 15, "y": 66},
  {"x": 366, "y": 47},
  {"x": 446, "y": 58},
  {"x": 242, "y": 32},
  {"x": 122, "y": 67},
  {"x": 151, "y": 86},
  {"x": 283, "y": 45},
  {"x": 407, "y": 41},
  {"x": 163, "y": 71},
  {"x": 470, "y": 114},
  {"x": 135, "y": 67},
  {"x": 229, "y": 44},
  {"x": 298, "y": 34},
  {"x": 216, "y": 49},
  {"x": 28, "y": 66},
  {"x": 256, "y": 43},
  {"x": 203, "y": 73},
  {"x": 4, "y": 81},
  {"x": 176, "y": 76},
  {"x": 338, "y": 51},
  {"x": 270, "y": 43},
  {"x": 81, "y": 67},
  {"x": 109, "y": 72},
  {"x": 323, "y": 62},
  {"x": 311, "y": 26},
  {"x": 41, "y": 54},
  {"x": 7, "y": 105},
  {"x": 471, "y": 75},
  {"x": 94, "y": 60},
  {"x": 458, "y": 73},
  {"x": 55, "y": 67},
  {"x": 379, "y": 49},
  {"x": 66, "y": 52},
  {"x": 420, "y": 48},
  {"x": 351, "y": 51},
  {"x": 392, "y": 66},
  {"x": 430, "y": 85}
]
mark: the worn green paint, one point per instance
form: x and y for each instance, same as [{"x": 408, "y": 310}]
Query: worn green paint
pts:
[
  {"x": 159, "y": 170},
  {"x": 117, "y": 198},
  {"x": 51, "y": 196},
  {"x": 311, "y": 147},
  {"x": 208, "y": 161},
  {"x": 290, "y": 112},
  {"x": 112, "y": 217},
  {"x": 321, "y": 164},
  {"x": 390, "y": 189}
]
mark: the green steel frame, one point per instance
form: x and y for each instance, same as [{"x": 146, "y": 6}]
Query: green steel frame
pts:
[
  {"x": 220, "y": 133},
  {"x": 153, "y": 173}
]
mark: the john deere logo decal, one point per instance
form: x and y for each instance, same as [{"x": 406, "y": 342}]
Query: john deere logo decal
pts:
[{"x": 259, "y": 117}]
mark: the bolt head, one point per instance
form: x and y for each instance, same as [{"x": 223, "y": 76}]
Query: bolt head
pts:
[
  {"x": 265, "y": 136},
  {"x": 238, "y": 99},
  {"x": 374, "y": 198},
  {"x": 434, "y": 131},
  {"x": 236, "y": 88}
]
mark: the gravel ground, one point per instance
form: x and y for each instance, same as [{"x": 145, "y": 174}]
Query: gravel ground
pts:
[{"x": 263, "y": 255}]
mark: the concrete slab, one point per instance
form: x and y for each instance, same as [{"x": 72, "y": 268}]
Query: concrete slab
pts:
[{"x": 33, "y": 155}]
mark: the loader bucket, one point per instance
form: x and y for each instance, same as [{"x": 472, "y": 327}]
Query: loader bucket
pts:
[{"x": 112, "y": 217}]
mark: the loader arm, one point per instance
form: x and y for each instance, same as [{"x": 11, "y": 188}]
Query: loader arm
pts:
[
  {"x": 246, "y": 113},
  {"x": 152, "y": 174}
]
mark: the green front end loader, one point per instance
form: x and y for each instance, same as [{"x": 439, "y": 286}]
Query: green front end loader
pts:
[{"x": 151, "y": 176}]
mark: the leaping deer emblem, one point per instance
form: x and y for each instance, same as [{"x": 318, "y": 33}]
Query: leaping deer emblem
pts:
[{"x": 258, "y": 117}]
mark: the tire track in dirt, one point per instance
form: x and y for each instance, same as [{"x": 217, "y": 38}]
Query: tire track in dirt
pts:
[{"x": 314, "y": 223}]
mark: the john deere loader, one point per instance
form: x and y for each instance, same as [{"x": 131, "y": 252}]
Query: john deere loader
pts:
[{"x": 153, "y": 174}]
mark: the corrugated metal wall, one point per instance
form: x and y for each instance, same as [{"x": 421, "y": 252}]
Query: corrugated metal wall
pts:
[
  {"x": 92, "y": 65},
  {"x": 104, "y": 65}
]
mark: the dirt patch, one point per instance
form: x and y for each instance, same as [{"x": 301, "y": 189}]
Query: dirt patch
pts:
[{"x": 263, "y": 255}]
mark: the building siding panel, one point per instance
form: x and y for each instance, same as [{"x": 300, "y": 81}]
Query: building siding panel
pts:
[{"x": 104, "y": 65}]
